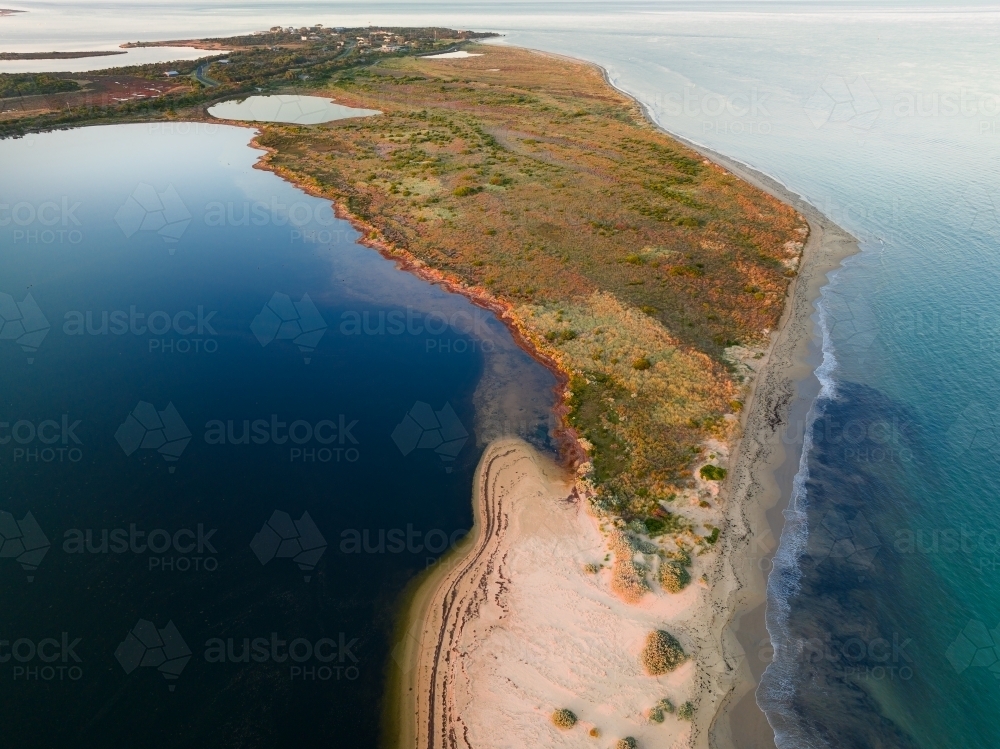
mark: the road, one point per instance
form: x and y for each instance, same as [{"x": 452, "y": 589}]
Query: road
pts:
[{"x": 199, "y": 75}]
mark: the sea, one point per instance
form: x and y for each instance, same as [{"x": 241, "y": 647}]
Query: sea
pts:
[{"x": 883, "y": 608}]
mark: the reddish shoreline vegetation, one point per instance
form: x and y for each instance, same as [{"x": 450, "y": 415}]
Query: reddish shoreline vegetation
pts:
[
  {"x": 570, "y": 449},
  {"x": 634, "y": 268}
]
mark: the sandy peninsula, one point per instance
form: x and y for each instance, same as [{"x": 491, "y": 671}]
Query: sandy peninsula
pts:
[
  {"x": 518, "y": 624},
  {"x": 514, "y": 626}
]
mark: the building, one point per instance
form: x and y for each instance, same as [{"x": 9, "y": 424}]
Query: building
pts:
[{"x": 171, "y": 73}]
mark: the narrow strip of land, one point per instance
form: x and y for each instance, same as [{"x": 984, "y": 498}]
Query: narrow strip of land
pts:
[{"x": 59, "y": 55}]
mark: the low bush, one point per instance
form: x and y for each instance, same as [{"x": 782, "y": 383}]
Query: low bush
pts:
[
  {"x": 662, "y": 653},
  {"x": 712, "y": 473},
  {"x": 563, "y": 718}
]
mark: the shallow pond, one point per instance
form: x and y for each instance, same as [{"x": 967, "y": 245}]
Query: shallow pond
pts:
[{"x": 290, "y": 108}]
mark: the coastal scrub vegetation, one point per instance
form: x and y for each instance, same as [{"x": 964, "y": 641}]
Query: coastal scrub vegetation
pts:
[
  {"x": 660, "y": 710},
  {"x": 31, "y": 84},
  {"x": 673, "y": 573},
  {"x": 712, "y": 473},
  {"x": 564, "y": 718},
  {"x": 662, "y": 653},
  {"x": 618, "y": 253}
]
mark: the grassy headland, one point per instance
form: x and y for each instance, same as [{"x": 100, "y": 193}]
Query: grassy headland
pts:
[{"x": 620, "y": 255}]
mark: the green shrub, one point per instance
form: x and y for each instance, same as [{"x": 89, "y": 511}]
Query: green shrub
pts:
[
  {"x": 674, "y": 576},
  {"x": 662, "y": 653},
  {"x": 461, "y": 192},
  {"x": 686, "y": 711},
  {"x": 712, "y": 473},
  {"x": 663, "y": 523},
  {"x": 561, "y": 335},
  {"x": 627, "y": 743},
  {"x": 641, "y": 363},
  {"x": 563, "y": 718}
]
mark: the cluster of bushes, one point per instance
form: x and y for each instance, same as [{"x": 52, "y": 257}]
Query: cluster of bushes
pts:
[
  {"x": 627, "y": 578},
  {"x": 665, "y": 707},
  {"x": 660, "y": 710},
  {"x": 673, "y": 573},
  {"x": 30, "y": 84}
]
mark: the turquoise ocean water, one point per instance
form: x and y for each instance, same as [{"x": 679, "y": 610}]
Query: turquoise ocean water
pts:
[{"x": 885, "y": 602}]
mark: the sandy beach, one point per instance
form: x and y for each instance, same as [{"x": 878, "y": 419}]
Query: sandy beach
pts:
[
  {"x": 512, "y": 627},
  {"x": 762, "y": 469}
]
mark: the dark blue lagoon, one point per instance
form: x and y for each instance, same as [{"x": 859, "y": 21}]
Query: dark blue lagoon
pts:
[{"x": 230, "y": 436}]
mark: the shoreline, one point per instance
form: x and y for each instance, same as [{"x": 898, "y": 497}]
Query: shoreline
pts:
[
  {"x": 762, "y": 465},
  {"x": 442, "y": 602},
  {"x": 571, "y": 453}
]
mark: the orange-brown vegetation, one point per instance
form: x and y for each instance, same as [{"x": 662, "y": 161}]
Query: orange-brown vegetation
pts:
[{"x": 623, "y": 255}]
